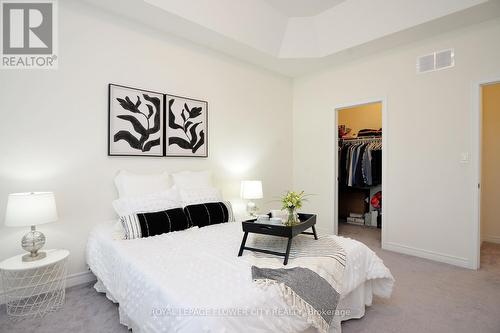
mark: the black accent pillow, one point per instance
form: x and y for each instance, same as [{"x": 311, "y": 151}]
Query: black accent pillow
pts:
[
  {"x": 209, "y": 213},
  {"x": 156, "y": 223}
]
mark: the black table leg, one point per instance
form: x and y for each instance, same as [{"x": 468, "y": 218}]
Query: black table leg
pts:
[
  {"x": 314, "y": 232},
  {"x": 288, "y": 245},
  {"x": 243, "y": 241}
]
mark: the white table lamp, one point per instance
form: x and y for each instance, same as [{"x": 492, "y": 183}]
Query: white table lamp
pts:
[
  {"x": 31, "y": 209},
  {"x": 250, "y": 190}
]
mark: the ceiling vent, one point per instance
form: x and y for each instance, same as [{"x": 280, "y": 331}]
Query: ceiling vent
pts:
[{"x": 436, "y": 61}]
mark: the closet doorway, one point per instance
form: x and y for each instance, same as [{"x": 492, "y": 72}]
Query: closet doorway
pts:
[
  {"x": 489, "y": 173},
  {"x": 359, "y": 196}
]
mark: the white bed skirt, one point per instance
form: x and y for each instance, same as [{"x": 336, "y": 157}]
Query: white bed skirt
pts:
[{"x": 352, "y": 307}]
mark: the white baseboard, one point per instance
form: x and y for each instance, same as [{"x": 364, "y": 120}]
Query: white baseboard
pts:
[
  {"x": 431, "y": 255},
  {"x": 79, "y": 278},
  {"x": 490, "y": 238}
]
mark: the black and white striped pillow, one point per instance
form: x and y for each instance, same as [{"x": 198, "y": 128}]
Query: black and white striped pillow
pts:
[
  {"x": 150, "y": 224},
  {"x": 209, "y": 213}
]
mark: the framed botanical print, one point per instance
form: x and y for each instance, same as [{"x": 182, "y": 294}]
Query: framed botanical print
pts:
[
  {"x": 136, "y": 121},
  {"x": 186, "y": 130}
]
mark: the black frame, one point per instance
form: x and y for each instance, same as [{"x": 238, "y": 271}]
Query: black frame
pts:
[
  {"x": 109, "y": 120},
  {"x": 165, "y": 126}
]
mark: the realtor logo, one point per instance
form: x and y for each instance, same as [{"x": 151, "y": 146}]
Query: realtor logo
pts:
[{"x": 28, "y": 34}]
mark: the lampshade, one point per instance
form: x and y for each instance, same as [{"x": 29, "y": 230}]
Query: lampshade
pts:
[
  {"x": 26, "y": 209},
  {"x": 251, "y": 189}
]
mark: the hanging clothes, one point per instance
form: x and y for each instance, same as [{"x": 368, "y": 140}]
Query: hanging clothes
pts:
[
  {"x": 377, "y": 167},
  {"x": 360, "y": 162}
]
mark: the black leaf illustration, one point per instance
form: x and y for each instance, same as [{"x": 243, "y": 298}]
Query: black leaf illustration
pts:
[
  {"x": 127, "y": 104},
  {"x": 180, "y": 142},
  {"x": 194, "y": 137},
  {"x": 132, "y": 140},
  {"x": 150, "y": 108},
  {"x": 192, "y": 140},
  {"x": 151, "y": 144},
  {"x": 156, "y": 122},
  {"x": 171, "y": 118},
  {"x": 195, "y": 112},
  {"x": 200, "y": 142},
  {"x": 144, "y": 132},
  {"x": 135, "y": 123}
]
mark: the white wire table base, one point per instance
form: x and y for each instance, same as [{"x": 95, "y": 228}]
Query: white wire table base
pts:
[{"x": 35, "y": 292}]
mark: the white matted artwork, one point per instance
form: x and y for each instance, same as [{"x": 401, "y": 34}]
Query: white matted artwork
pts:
[
  {"x": 186, "y": 132},
  {"x": 135, "y": 122}
]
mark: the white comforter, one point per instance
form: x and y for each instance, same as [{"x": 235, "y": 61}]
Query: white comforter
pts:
[{"x": 193, "y": 281}]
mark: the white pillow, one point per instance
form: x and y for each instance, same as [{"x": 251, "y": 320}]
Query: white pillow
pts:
[
  {"x": 118, "y": 231},
  {"x": 148, "y": 203},
  {"x": 131, "y": 184},
  {"x": 199, "y": 195},
  {"x": 192, "y": 179}
]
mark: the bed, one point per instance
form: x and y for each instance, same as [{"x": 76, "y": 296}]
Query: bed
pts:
[{"x": 193, "y": 281}]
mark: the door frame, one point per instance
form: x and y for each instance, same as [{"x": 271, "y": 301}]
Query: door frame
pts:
[
  {"x": 477, "y": 123},
  {"x": 386, "y": 198}
]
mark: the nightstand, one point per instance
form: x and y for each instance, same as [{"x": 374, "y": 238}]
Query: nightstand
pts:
[{"x": 33, "y": 289}]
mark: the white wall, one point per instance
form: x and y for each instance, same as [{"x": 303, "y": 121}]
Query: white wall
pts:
[
  {"x": 428, "y": 203},
  {"x": 53, "y": 125}
]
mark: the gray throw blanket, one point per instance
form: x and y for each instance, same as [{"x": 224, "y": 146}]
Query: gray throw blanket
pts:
[{"x": 311, "y": 281}]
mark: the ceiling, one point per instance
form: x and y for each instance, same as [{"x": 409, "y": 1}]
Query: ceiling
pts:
[
  {"x": 302, "y": 8},
  {"x": 294, "y": 37}
]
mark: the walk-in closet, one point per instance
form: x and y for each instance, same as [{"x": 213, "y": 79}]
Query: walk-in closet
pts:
[{"x": 359, "y": 171}]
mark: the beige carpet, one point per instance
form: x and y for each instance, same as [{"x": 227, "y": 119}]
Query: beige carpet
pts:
[{"x": 428, "y": 297}]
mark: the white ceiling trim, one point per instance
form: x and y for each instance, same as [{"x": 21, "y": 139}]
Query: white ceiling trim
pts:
[
  {"x": 252, "y": 22},
  {"x": 356, "y": 22},
  {"x": 295, "y": 46},
  {"x": 340, "y": 24}
]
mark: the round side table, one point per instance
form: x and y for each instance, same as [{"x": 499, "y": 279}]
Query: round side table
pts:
[{"x": 33, "y": 289}]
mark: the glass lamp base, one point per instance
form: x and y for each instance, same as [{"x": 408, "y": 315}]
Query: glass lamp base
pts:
[
  {"x": 252, "y": 208},
  {"x": 32, "y": 242},
  {"x": 34, "y": 256}
]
